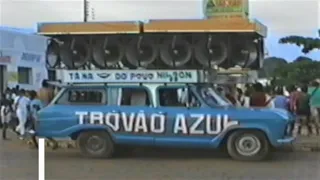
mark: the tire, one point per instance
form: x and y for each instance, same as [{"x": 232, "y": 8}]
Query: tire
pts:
[
  {"x": 101, "y": 139},
  {"x": 257, "y": 140}
]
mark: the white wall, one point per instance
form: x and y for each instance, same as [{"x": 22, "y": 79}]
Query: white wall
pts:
[{"x": 24, "y": 50}]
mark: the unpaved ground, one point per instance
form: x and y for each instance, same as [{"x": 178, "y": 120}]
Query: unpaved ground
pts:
[{"x": 18, "y": 162}]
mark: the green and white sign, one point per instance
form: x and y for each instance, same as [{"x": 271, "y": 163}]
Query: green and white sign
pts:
[{"x": 227, "y": 8}]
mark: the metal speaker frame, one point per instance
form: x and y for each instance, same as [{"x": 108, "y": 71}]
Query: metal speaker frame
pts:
[
  {"x": 52, "y": 54},
  {"x": 107, "y": 52},
  {"x": 142, "y": 51},
  {"x": 207, "y": 49},
  {"x": 244, "y": 52},
  {"x": 174, "y": 46},
  {"x": 75, "y": 53}
]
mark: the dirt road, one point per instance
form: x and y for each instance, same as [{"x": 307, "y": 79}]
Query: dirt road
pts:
[{"x": 18, "y": 162}]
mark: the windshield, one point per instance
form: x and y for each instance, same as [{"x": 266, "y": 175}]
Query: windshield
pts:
[{"x": 212, "y": 97}]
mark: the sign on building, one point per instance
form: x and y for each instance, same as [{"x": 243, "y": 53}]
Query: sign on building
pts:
[
  {"x": 4, "y": 59},
  {"x": 227, "y": 8}
]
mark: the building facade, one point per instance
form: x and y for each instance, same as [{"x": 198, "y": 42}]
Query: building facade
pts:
[{"x": 22, "y": 59}]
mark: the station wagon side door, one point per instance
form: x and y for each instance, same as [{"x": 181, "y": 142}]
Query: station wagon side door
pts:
[
  {"x": 134, "y": 110},
  {"x": 185, "y": 125}
]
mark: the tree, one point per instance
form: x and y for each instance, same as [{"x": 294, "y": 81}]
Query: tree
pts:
[
  {"x": 270, "y": 65},
  {"x": 302, "y": 58},
  {"x": 308, "y": 44},
  {"x": 297, "y": 72}
]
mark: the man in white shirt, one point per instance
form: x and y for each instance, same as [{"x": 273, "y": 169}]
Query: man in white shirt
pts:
[{"x": 21, "y": 104}]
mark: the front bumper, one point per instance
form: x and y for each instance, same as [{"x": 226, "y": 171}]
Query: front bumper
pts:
[{"x": 286, "y": 141}]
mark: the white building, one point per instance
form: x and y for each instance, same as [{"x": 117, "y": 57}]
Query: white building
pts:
[{"x": 22, "y": 59}]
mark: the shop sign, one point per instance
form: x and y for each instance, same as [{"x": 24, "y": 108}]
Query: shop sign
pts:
[
  {"x": 227, "y": 8},
  {"x": 29, "y": 57},
  {"x": 4, "y": 58}
]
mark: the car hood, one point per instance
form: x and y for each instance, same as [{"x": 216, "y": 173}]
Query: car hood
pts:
[
  {"x": 281, "y": 112},
  {"x": 269, "y": 113}
]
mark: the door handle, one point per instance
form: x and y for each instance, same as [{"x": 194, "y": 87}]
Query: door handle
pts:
[{"x": 162, "y": 113}]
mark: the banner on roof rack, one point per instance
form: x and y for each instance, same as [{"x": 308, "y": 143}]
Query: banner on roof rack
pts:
[{"x": 130, "y": 76}]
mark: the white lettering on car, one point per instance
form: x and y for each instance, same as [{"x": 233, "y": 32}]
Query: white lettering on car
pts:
[
  {"x": 210, "y": 122},
  {"x": 211, "y": 126},
  {"x": 140, "y": 124},
  {"x": 180, "y": 124},
  {"x": 82, "y": 116},
  {"x": 227, "y": 123},
  {"x": 194, "y": 128},
  {"x": 96, "y": 118},
  {"x": 115, "y": 124},
  {"x": 128, "y": 121},
  {"x": 162, "y": 123},
  {"x": 195, "y": 124}
]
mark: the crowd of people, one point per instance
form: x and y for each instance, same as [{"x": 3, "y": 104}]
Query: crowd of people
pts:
[
  {"x": 19, "y": 108},
  {"x": 294, "y": 99}
]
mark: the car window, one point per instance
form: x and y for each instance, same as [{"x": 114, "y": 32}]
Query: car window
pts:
[
  {"x": 212, "y": 97},
  {"x": 177, "y": 97},
  {"x": 129, "y": 96},
  {"x": 82, "y": 96}
]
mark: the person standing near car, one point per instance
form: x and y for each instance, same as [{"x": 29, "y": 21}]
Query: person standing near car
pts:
[
  {"x": 35, "y": 106},
  {"x": 6, "y": 114},
  {"x": 21, "y": 106},
  {"x": 259, "y": 98},
  {"x": 280, "y": 100},
  {"x": 303, "y": 111},
  {"x": 45, "y": 94},
  {"x": 39, "y": 101}
]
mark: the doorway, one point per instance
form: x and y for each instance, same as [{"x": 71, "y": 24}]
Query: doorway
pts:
[{"x": 2, "y": 78}]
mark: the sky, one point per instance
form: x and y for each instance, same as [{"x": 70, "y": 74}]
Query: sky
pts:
[{"x": 282, "y": 17}]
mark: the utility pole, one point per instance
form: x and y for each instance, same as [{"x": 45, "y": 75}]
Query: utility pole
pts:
[{"x": 85, "y": 10}]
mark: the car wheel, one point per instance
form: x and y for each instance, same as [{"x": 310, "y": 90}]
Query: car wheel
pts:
[
  {"x": 248, "y": 145},
  {"x": 96, "y": 144}
]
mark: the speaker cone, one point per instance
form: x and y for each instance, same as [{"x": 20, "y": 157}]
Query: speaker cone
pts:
[
  {"x": 211, "y": 51},
  {"x": 52, "y": 54},
  {"x": 75, "y": 53},
  {"x": 142, "y": 51},
  {"x": 244, "y": 53},
  {"x": 107, "y": 52},
  {"x": 176, "y": 51}
]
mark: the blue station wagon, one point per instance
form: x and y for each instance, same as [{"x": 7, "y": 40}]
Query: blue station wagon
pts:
[{"x": 107, "y": 112}]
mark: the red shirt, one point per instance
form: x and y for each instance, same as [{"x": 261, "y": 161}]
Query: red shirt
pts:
[
  {"x": 294, "y": 96},
  {"x": 258, "y": 99}
]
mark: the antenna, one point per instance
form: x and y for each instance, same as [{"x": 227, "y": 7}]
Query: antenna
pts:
[{"x": 85, "y": 10}]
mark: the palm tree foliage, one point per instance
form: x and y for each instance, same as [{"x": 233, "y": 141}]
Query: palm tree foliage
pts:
[{"x": 307, "y": 43}]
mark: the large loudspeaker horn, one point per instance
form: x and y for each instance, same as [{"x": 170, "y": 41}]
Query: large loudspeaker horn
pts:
[
  {"x": 75, "y": 53},
  {"x": 142, "y": 51},
  {"x": 52, "y": 54},
  {"x": 244, "y": 53},
  {"x": 107, "y": 52},
  {"x": 211, "y": 51},
  {"x": 176, "y": 51}
]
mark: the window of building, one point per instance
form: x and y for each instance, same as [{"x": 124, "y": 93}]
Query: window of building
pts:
[
  {"x": 177, "y": 97},
  {"x": 51, "y": 75},
  {"x": 24, "y": 75},
  {"x": 81, "y": 96}
]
